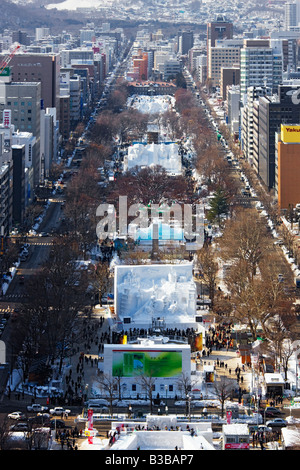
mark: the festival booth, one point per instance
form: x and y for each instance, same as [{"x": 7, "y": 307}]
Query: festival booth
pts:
[{"x": 236, "y": 437}]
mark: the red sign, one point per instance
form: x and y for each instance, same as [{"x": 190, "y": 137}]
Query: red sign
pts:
[
  {"x": 243, "y": 445},
  {"x": 6, "y": 117}
]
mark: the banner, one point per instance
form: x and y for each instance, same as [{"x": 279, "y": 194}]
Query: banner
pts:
[{"x": 150, "y": 363}]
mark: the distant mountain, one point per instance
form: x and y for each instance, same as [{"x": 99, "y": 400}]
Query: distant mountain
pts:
[{"x": 18, "y": 14}]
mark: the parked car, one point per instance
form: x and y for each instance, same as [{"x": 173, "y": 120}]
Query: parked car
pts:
[
  {"x": 59, "y": 410},
  {"x": 276, "y": 423},
  {"x": 16, "y": 415},
  {"x": 37, "y": 408}
]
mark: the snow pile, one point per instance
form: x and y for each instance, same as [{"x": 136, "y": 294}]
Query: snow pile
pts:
[{"x": 147, "y": 155}]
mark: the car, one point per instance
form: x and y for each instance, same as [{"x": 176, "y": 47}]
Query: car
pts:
[
  {"x": 16, "y": 415},
  {"x": 59, "y": 410},
  {"x": 271, "y": 411},
  {"x": 19, "y": 427},
  {"x": 277, "y": 423},
  {"x": 264, "y": 428},
  {"x": 37, "y": 408},
  {"x": 40, "y": 418},
  {"x": 57, "y": 424}
]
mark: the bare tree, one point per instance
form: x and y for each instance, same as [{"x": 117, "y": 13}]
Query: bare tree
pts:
[
  {"x": 208, "y": 267},
  {"x": 56, "y": 296},
  {"x": 185, "y": 385},
  {"x": 245, "y": 239},
  {"x": 100, "y": 279},
  {"x": 147, "y": 383},
  {"x": 109, "y": 386},
  {"x": 223, "y": 389}
]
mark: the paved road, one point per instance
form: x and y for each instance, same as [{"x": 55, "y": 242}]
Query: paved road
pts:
[{"x": 39, "y": 250}]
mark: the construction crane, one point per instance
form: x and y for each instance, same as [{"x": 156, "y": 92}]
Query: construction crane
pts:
[{"x": 8, "y": 58}]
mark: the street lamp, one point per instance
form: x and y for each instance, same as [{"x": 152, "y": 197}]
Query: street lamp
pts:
[
  {"x": 166, "y": 409},
  {"x": 129, "y": 411}
]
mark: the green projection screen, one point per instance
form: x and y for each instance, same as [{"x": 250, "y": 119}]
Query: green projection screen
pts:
[{"x": 152, "y": 363}]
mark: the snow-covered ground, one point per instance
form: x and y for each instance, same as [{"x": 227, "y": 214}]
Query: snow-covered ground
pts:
[{"x": 74, "y": 4}]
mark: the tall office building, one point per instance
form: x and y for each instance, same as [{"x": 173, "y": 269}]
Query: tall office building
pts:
[
  {"x": 21, "y": 37},
  {"x": 43, "y": 68},
  {"x": 290, "y": 15},
  {"x": 185, "y": 41},
  {"x": 247, "y": 123},
  {"x": 272, "y": 111},
  {"x": 18, "y": 204},
  {"x": 216, "y": 30},
  {"x": 23, "y": 99},
  {"x": 219, "y": 29},
  {"x": 261, "y": 65},
  {"x": 287, "y": 166},
  {"x": 225, "y": 53}
]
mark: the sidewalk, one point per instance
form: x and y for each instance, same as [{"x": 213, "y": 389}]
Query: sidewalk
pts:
[
  {"x": 228, "y": 362},
  {"x": 84, "y": 363}
]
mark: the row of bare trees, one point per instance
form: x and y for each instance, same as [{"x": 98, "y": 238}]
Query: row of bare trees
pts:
[
  {"x": 256, "y": 281},
  {"x": 110, "y": 386}
]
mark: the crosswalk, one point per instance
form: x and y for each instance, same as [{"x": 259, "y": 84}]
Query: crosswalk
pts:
[
  {"x": 7, "y": 297},
  {"x": 41, "y": 243}
]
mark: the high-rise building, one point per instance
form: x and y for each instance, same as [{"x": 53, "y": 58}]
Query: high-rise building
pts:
[
  {"x": 43, "y": 68},
  {"x": 219, "y": 29},
  {"x": 41, "y": 33},
  {"x": 23, "y": 99},
  {"x": 290, "y": 15},
  {"x": 185, "y": 42},
  {"x": 247, "y": 123},
  {"x": 272, "y": 112},
  {"x": 21, "y": 37},
  {"x": 140, "y": 65},
  {"x": 5, "y": 199},
  {"x": 18, "y": 203},
  {"x": 216, "y": 30},
  {"x": 233, "y": 109},
  {"x": 225, "y": 53},
  {"x": 287, "y": 166},
  {"x": 261, "y": 65}
]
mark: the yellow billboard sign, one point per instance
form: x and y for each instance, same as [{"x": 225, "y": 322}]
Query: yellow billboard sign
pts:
[{"x": 290, "y": 134}]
